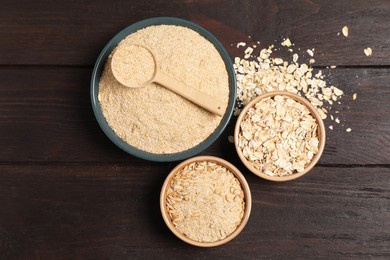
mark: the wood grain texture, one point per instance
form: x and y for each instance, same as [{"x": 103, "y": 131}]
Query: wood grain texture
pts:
[
  {"x": 46, "y": 213},
  {"x": 67, "y": 192},
  {"x": 46, "y": 115},
  {"x": 70, "y": 33}
]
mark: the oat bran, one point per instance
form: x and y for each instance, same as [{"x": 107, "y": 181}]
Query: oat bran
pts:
[{"x": 154, "y": 119}]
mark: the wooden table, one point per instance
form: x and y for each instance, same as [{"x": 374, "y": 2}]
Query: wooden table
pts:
[{"x": 67, "y": 192}]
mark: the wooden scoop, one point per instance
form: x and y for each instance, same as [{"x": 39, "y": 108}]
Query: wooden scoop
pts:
[{"x": 135, "y": 66}]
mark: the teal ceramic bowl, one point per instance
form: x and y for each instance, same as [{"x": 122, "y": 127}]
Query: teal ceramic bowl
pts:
[{"x": 99, "y": 65}]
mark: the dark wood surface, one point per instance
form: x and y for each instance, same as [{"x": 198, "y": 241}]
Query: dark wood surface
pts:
[{"x": 67, "y": 192}]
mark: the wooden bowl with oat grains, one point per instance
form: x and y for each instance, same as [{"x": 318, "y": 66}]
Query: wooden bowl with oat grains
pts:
[
  {"x": 205, "y": 201},
  {"x": 279, "y": 136}
]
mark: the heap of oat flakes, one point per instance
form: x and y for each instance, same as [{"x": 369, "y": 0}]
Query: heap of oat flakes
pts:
[
  {"x": 260, "y": 73},
  {"x": 278, "y": 136},
  {"x": 205, "y": 201}
]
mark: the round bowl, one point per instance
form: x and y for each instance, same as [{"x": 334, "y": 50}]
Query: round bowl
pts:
[
  {"x": 98, "y": 68},
  {"x": 244, "y": 186},
  {"x": 320, "y": 132}
]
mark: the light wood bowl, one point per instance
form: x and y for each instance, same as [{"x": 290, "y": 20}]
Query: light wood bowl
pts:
[
  {"x": 237, "y": 174},
  {"x": 321, "y": 136}
]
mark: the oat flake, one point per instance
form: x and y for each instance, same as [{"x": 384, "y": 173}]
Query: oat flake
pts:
[
  {"x": 368, "y": 51},
  {"x": 345, "y": 31}
]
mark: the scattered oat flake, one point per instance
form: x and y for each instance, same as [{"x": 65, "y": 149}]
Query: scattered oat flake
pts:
[
  {"x": 337, "y": 91},
  {"x": 368, "y": 51},
  {"x": 345, "y": 31},
  {"x": 286, "y": 42},
  {"x": 319, "y": 74},
  {"x": 348, "y": 130},
  {"x": 236, "y": 111},
  {"x": 312, "y": 61},
  {"x": 310, "y": 52},
  {"x": 248, "y": 51},
  {"x": 295, "y": 57},
  {"x": 278, "y": 61},
  {"x": 337, "y": 120},
  {"x": 331, "y": 127},
  {"x": 241, "y": 44},
  {"x": 354, "y": 96},
  {"x": 333, "y": 67}
]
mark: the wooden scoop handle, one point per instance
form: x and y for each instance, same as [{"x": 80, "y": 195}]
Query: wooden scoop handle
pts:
[{"x": 201, "y": 99}]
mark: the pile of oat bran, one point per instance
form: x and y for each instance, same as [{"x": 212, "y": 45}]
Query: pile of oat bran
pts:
[{"x": 154, "y": 119}]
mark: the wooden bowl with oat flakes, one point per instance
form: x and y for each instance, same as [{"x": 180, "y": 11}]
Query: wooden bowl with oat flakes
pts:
[
  {"x": 205, "y": 201},
  {"x": 279, "y": 136}
]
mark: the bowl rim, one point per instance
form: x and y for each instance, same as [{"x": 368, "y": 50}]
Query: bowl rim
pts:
[
  {"x": 237, "y": 174},
  {"x": 321, "y": 133},
  {"x": 98, "y": 68}
]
